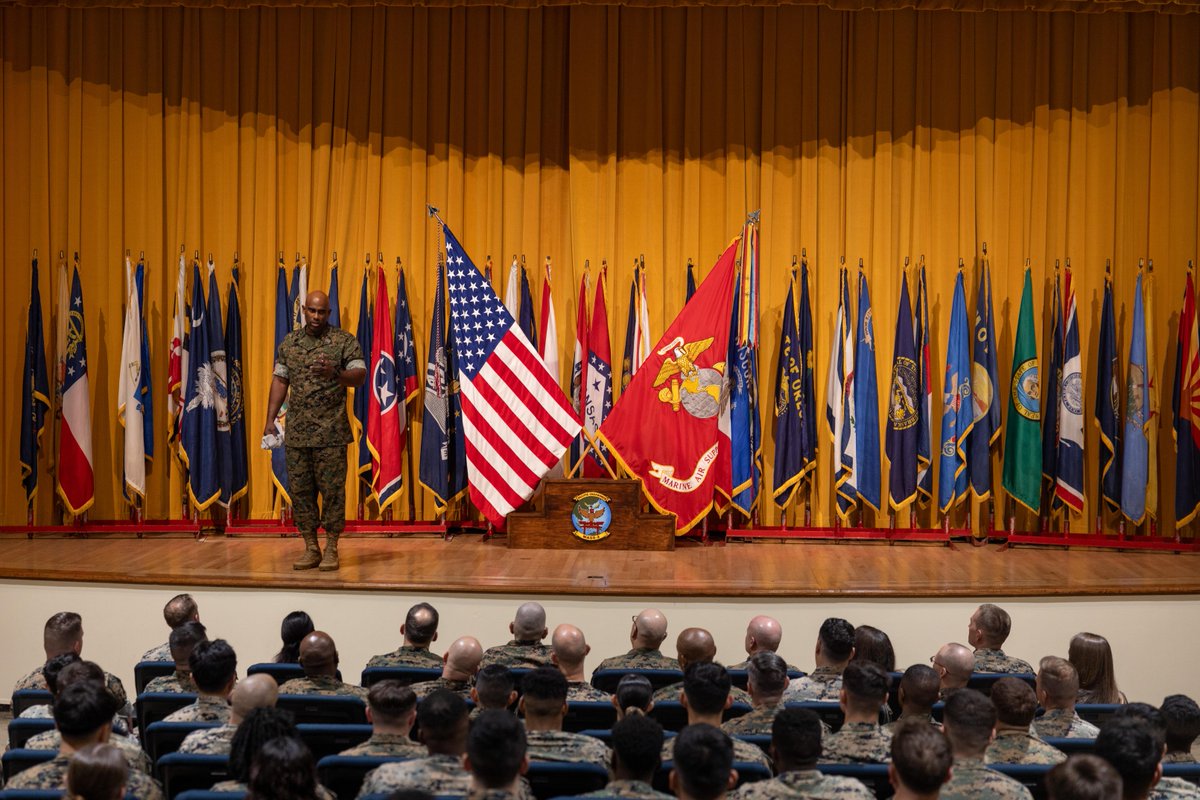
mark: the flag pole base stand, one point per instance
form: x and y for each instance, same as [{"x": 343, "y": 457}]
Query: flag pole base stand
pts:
[
  {"x": 1111, "y": 541},
  {"x": 84, "y": 526},
  {"x": 841, "y": 533}
]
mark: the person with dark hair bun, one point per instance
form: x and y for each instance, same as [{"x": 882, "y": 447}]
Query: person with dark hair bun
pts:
[
  {"x": 835, "y": 648},
  {"x": 283, "y": 769},
  {"x": 872, "y": 644},
  {"x": 97, "y": 772},
  {"x": 50, "y": 672},
  {"x": 292, "y": 630},
  {"x": 634, "y": 696}
]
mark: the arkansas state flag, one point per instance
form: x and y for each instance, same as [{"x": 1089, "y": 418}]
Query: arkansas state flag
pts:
[
  {"x": 664, "y": 427},
  {"x": 386, "y": 400}
]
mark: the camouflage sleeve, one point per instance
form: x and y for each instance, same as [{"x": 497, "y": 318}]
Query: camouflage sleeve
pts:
[
  {"x": 352, "y": 355},
  {"x": 280, "y": 370}
]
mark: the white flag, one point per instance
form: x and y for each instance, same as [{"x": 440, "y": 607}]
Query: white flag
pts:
[
  {"x": 512, "y": 290},
  {"x": 129, "y": 411}
]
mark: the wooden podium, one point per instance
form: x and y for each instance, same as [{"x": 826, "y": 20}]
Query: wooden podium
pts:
[{"x": 591, "y": 514}]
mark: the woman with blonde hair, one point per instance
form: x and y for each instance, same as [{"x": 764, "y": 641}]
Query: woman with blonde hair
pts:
[
  {"x": 1092, "y": 658},
  {"x": 97, "y": 772}
]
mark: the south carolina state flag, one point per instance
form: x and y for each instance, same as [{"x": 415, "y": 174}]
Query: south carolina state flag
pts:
[{"x": 664, "y": 427}]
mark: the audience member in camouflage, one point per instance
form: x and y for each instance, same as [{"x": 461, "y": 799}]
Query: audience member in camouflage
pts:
[
  {"x": 968, "y": 719},
  {"x": 319, "y": 660},
  {"x": 461, "y": 664},
  {"x": 695, "y": 646},
  {"x": 495, "y": 688},
  {"x": 646, "y": 636},
  {"x": 544, "y": 705},
  {"x": 767, "y": 682},
  {"x": 835, "y": 647},
  {"x": 954, "y": 664},
  {"x": 706, "y": 687},
  {"x": 53, "y": 774},
  {"x": 214, "y": 669},
  {"x": 920, "y": 761},
  {"x": 1064, "y": 723},
  {"x": 495, "y": 756},
  {"x": 184, "y": 639},
  {"x": 179, "y": 609},
  {"x": 177, "y": 683},
  {"x": 407, "y": 656},
  {"x": 1016, "y": 706},
  {"x": 419, "y": 631},
  {"x": 1082, "y": 776},
  {"x": 160, "y": 653},
  {"x": 763, "y": 634},
  {"x": 526, "y": 649},
  {"x": 987, "y": 631},
  {"x": 314, "y": 365},
  {"x": 256, "y": 691},
  {"x": 1133, "y": 744},
  {"x": 63, "y": 634},
  {"x": 36, "y": 680},
  {"x": 209, "y": 741},
  {"x": 391, "y": 710},
  {"x": 703, "y": 766},
  {"x": 743, "y": 751},
  {"x": 206, "y": 708},
  {"x": 568, "y": 650},
  {"x": 861, "y": 740},
  {"x": 130, "y": 748},
  {"x": 1182, "y": 716},
  {"x": 917, "y": 694},
  {"x": 636, "y": 742}
]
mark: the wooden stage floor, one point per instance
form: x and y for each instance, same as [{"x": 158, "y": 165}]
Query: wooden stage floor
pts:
[{"x": 469, "y": 564}]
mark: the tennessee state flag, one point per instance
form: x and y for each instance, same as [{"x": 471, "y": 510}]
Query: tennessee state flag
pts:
[
  {"x": 385, "y": 401},
  {"x": 664, "y": 427}
]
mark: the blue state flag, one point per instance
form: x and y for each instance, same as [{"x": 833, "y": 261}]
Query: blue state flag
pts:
[
  {"x": 239, "y": 481},
  {"x": 957, "y": 412},
  {"x": 526, "y": 319},
  {"x": 745, "y": 432},
  {"x": 903, "y": 403},
  {"x": 335, "y": 303},
  {"x": 1070, "y": 409},
  {"x": 199, "y": 436},
  {"x": 983, "y": 390},
  {"x": 220, "y": 379},
  {"x": 144, "y": 382},
  {"x": 1050, "y": 395},
  {"x": 1135, "y": 466},
  {"x": 808, "y": 359},
  {"x": 630, "y": 334},
  {"x": 925, "y": 396},
  {"x": 405, "y": 349},
  {"x": 434, "y": 471},
  {"x": 790, "y": 411},
  {"x": 866, "y": 401},
  {"x": 35, "y": 389},
  {"x": 283, "y": 325},
  {"x": 364, "y": 332},
  {"x": 1108, "y": 404}
]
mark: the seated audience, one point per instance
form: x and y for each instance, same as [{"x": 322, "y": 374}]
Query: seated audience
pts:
[
  {"x": 919, "y": 689},
  {"x": 63, "y": 633},
  {"x": 954, "y": 664},
  {"x": 695, "y": 646},
  {"x": 391, "y": 710},
  {"x": 703, "y": 768},
  {"x": 872, "y": 644},
  {"x": 762, "y": 634},
  {"x": 969, "y": 722},
  {"x": 796, "y": 749},
  {"x": 568, "y": 648},
  {"x": 636, "y": 743},
  {"x": 767, "y": 681},
  {"x": 1182, "y": 715},
  {"x": 179, "y": 609},
  {"x": 256, "y": 691},
  {"x": 1135, "y": 751},
  {"x": 526, "y": 648},
  {"x": 283, "y": 769},
  {"x": 861, "y": 740},
  {"x": 292, "y": 630},
  {"x": 1147, "y": 715},
  {"x": 443, "y": 722},
  {"x": 705, "y": 697},
  {"x": 1093, "y": 660},
  {"x": 319, "y": 660},
  {"x": 835, "y": 648},
  {"x": 496, "y": 756},
  {"x": 1057, "y": 688},
  {"x": 1016, "y": 707},
  {"x": 183, "y": 639},
  {"x": 97, "y": 772},
  {"x": 83, "y": 715},
  {"x": 419, "y": 632},
  {"x": 920, "y": 763},
  {"x": 987, "y": 631},
  {"x": 260, "y": 726},
  {"x": 461, "y": 664},
  {"x": 634, "y": 696},
  {"x": 214, "y": 669},
  {"x": 544, "y": 705},
  {"x": 495, "y": 688},
  {"x": 645, "y": 638},
  {"x": 1083, "y": 777}
]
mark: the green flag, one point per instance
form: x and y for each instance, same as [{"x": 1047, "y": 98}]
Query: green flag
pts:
[{"x": 1023, "y": 435}]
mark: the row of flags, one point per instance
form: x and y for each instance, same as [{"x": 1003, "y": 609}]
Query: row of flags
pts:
[{"x": 691, "y": 425}]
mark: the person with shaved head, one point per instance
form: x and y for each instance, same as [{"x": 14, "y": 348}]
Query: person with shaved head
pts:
[
  {"x": 568, "y": 649},
  {"x": 319, "y": 660},
  {"x": 419, "y": 631},
  {"x": 987, "y": 630},
  {"x": 526, "y": 648},
  {"x": 314, "y": 366},
  {"x": 696, "y": 646},
  {"x": 461, "y": 662},
  {"x": 1057, "y": 689},
  {"x": 179, "y": 609},
  {"x": 256, "y": 691},
  {"x": 645, "y": 637},
  {"x": 954, "y": 664},
  {"x": 763, "y": 635},
  {"x": 63, "y": 633}
]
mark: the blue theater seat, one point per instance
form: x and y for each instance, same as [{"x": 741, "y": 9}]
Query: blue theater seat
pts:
[
  {"x": 324, "y": 709},
  {"x": 606, "y": 680},
  {"x": 406, "y": 675}
]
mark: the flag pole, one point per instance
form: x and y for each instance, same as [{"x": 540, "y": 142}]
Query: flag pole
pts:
[
  {"x": 1154, "y": 411},
  {"x": 30, "y": 500},
  {"x": 991, "y": 506}
]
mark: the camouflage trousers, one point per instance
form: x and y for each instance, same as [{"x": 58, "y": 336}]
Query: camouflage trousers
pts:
[{"x": 312, "y": 471}]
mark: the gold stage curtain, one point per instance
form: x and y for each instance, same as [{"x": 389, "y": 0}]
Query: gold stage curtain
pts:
[{"x": 591, "y": 133}]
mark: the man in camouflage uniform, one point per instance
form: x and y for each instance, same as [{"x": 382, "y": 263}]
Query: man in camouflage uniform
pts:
[
  {"x": 920, "y": 760},
  {"x": 1114, "y": 745},
  {"x": 568, "y": 650},
  {"x": 1057, "y": 687},
  {"x": 313, "y": 367},
  {"x": 706, "y": 689},
  {"x": 419, "y": 632},
  {"x": 763, "y": 634},
  {"x": 695, "y": 646},
  {"x": 835, "y": 648},
  {"x": 1016, "y": 706},
  {"x": 636, "y": 743},
  {"x": 83, "y": 713},
  {"x": 391, "y": 710},
  {"x": 969, "y": 719},
  {"x": 51, "y": 672},
  {"x": 954, "y": 664},
  {"x": 179, "y": 609},
  {"x": 526, "y": 649},
  {"x": 256, "y": 691},
  {"x": 63, "y": 633},
  {"x": 183, "y": 640},
  {"x": 462, "y": 662},
  {"x": 496, "y": 756},
  {"x": 214, "y": 669},
  {"x": 319, "y": 660},
  {"x": 703, "y": 763},
  {"x": 495, "y": 688},
  {"x": 861, "y": 740},
  {"x": 544, "y": 705},
  {"x": 987, "y": 631},
  {"x": 1182, "y": 716},
  {"x": 767, "y": 682},
  {"x": 646, "y": 637},
  {"x": 918, "y": 692}
]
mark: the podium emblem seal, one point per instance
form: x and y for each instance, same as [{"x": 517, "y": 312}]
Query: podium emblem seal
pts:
[{"x": 590, "y": 516}]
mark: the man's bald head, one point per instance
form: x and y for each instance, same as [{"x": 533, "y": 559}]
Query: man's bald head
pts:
[
  {"x": 316, "y": 312},
  {"x": 318, "y": 654},
  {"x": 649, "y": 629},
  {"x": 256, "y": 691},
  {"x": 316, "y": 299},
  {"x": 954, "y": 662},
  {"x": 529, "y": 624},
  {"x": 462, "y": 659},
  {"x": 570, "y": 648},
  {"x": 695, "y": 646},
  {"x": 763, "y": 633}
]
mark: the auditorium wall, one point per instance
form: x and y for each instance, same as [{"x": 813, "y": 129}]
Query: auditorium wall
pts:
[
  {"x": 588, "y": 133},
  {"x": 1154, "y": 650}
]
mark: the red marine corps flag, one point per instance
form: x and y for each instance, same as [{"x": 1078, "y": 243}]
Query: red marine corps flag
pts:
[{"x": 665, "y": 427}]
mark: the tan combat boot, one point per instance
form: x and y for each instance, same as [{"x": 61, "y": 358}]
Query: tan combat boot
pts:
[
  {"x": 329, "y": 561},
  {"x": 312, "y": 553}
]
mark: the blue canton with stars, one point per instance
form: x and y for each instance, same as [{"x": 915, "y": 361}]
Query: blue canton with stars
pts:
[
  {"x": 76, "y": 360},
  {"x": 479, "y": 319}
]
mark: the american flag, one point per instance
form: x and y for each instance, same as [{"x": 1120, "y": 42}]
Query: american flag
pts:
[{"x": 516, "y": 419}]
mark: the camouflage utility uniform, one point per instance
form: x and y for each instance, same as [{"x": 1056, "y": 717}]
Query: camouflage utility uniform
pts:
[
  {"x": 387, "y": 744},
  {"x": 518, "y": 654},
  {"x": 36, "y": 680},
  {"x": 639, "y": 658},
  {"x": 743, "y": 752},
  {"x": 1174, "y": 789},
  {"x": 996, "y": 661},
  {"x": 160, "y": 653},
  {"x": 1064, "y": 723},
  {"x": 326, "y": 685},
  {"x": 563, "y": 746},
  {"x": 822, "y": 685},
  {"x": 207, "y": 708},
  {"x": 805, "y": 784},
  {"x": 135, "y": 756},
  {"x": 407, "y": 656},
  {"x": 633, "y": 790},
  {"x": 53, "y": 775},
  {"x": 891, "y": 726},
  {"x": 1020, "y": 747},
  {"x": 1179, "y": 758},
  {"x": 858, "y": 743},
  {"x": 970, "y": 779},
  {"x": 756, "y": 723},
  {"x": 179, "y": 683},
  {"x": 670, "y": 693},
  {"x": 216, "y": 741},
  {"x": 440, "y": 775},
  {"x": 581, "y": 692},
  {"x": 460, "y": 688}
]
